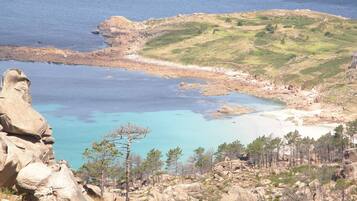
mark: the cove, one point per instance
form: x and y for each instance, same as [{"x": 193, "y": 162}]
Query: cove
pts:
[{"x": 84, "y": 103}]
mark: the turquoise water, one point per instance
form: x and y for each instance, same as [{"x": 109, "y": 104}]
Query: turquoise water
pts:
[
  {"x": 84, "y": 103},
  {"x": 169, "y": 129}
]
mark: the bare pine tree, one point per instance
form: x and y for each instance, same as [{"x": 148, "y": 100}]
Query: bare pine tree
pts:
[{"x": 124, "y": 137}]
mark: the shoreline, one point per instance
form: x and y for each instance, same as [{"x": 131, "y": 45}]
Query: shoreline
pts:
[
  {"x": 126, "y": 38},
  {"x": 218, "y": 80}
]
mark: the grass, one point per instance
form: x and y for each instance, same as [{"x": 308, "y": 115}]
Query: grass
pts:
[
  {"x": 186, "y": 31},
  {"x": 303, "y": 174},
  {"x": 8, "y": 194},
  {"x": 303, "y": 48}
]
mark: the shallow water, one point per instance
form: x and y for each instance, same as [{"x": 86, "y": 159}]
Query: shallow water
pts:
[
  {"x": 68, "y": 23},
  {"x": 84, "y": 103}
]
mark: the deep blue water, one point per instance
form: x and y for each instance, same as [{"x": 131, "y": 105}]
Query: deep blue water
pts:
[
  {"x": 68, "y": 23},
  {"x": 84, "y": 103}
]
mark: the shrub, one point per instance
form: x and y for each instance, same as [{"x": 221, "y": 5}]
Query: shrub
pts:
[
  {"x": 328, "y": 34},
  {"x": 228, "y": 20},
  {"x": 270, "y": 28},
  {"x": 260, "y": 34}
]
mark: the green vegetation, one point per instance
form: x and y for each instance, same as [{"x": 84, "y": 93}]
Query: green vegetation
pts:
[
  {"x": 173, "y": 156},
  {"x": 184, "y": 32},
  {"x": 153, "y": 163},
  {"x": 203, "y": 160},
  {"x": 231, "y": 150},
  {"x": 304, "y": 173},
  {"x": 302, "y": 48},
  {"x": 100, "y": 162},
  {"x": 301, "y": 159}
]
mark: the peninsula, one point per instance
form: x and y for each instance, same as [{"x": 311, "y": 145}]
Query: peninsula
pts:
[{"x": 300, "y": 57}]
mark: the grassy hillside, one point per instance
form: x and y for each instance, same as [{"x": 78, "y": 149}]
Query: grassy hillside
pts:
[{"x": 303, "y": 48}]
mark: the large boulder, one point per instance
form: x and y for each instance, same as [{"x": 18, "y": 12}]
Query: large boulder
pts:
[
  {"x": 237, "y": 193},
  {"x": 354, "y": 61},
  {"x": 16, "y": 113},
  {"x": 350, "y": 163},
  {"x": 26, "y": 154},
  {"x": 178, "y": 192},
  {"x": 16, "y": 153},
  {"x": 93, "y": 190},
  {"x": 54, "y": 182}
]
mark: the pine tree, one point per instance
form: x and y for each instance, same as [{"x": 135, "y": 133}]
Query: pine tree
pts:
[{"x": 173, "y": 156}]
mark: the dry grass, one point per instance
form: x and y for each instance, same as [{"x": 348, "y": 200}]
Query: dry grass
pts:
[{"x": 302, "y": 48}]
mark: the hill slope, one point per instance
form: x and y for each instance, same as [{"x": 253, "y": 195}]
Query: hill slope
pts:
[{"x": 303, "y": 48}]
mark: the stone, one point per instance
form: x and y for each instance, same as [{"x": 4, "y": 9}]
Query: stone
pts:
[
  {"x": 54, "y": 182},
  {"x": 316, "y": 189},
  {"x": 16, "y": 113},
  {"x": 17, "y": 153},
  {"x": 265, "y": 182},
  {"x": 93, "y": 190},
  {"x": 350, "y": 164},
  {"x": 26, "y": 178},
  {"x": 354, "y": 61},
  {"x": 299, "y": 184},
  {"x": 64, "y": 184},
  {"x": 237, "y": 193},
  {"x": 26, "y": 154}
]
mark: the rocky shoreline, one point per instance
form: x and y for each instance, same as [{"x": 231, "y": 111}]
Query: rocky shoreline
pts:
[{"x": 125, "y": 38}]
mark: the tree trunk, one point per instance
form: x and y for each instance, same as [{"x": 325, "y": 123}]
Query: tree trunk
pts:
[
  {"x": 102, "y": 183},
  {"x": 127, "y": 170}
]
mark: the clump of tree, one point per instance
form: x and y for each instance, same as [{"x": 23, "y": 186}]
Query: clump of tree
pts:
[
  {"x": 100, "y": 163},
  {"x": 263, "y": 152},
  {"x": 153, "y": 162},
  {"x": 173, "y": 156},
  {"x": 233, "y": 150},
  {"x": 203, "y": 160},
  {"x": 270, "y": 28},
  {"x": 124, "y": 137}
]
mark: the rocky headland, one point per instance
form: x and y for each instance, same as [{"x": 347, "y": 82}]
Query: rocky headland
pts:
[{"x": 126, "y": 39}]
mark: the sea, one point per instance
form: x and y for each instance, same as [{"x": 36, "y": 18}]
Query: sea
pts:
[{"x": 85, "y": 103}]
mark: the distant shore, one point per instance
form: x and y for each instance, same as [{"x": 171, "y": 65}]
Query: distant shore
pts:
[{"x": 122, "y": 53}]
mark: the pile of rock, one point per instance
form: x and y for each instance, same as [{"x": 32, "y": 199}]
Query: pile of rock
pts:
[
  {"x": 27, "y": 160},
  {"x": 350, "y": 163},
  {"x": 123, "y": 34},
  {"x": 230, "y": 166},
  {"x": 354, "y": 61}
]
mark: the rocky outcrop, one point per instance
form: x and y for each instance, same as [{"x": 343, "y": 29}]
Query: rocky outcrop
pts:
[
  {"x": 122, "y": 33},
  {"x": 237, "y": 193},
  {"x": 179, "y": 192},
  {"x": 231, "y": 110},
  {"x": 93, "y": 190},
  {"x": 350, "y": 163},
  {"x": 354, "y": 61},
  {"x": 26, "y": 154}
]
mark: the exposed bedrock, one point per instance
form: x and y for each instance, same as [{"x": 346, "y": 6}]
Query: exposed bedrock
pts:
[{"x": 27, "y": 160}]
